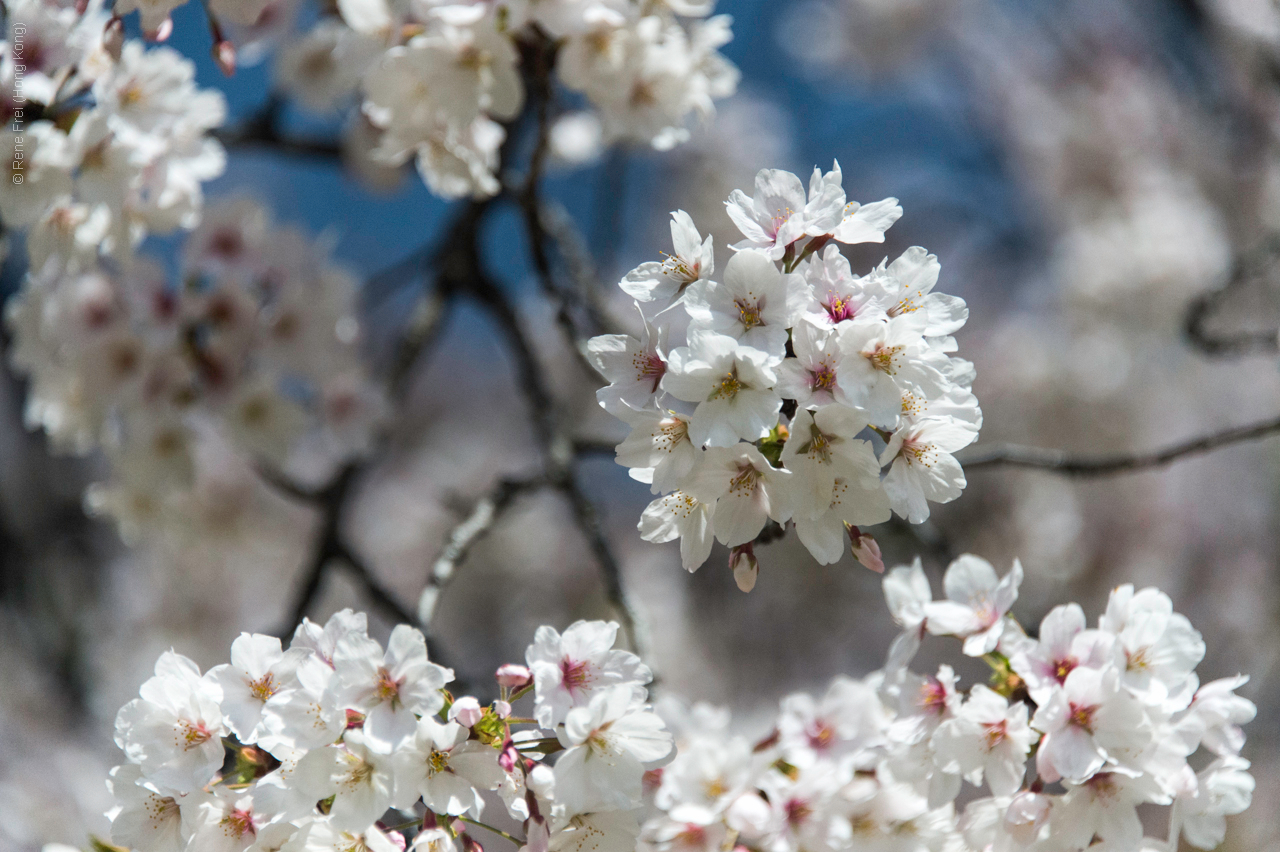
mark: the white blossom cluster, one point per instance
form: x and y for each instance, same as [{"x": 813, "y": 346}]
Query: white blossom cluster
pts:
[
  {"x": 257, "y": 344},
  {"x": 438, "y": 78},
  {"x": 336, "y": 743},
  {"x": 106, "y": 139},
  {"x": 1079, "y": 728},
  {"x": 872, "y": 404}
]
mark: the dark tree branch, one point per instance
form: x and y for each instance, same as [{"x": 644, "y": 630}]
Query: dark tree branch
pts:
[
  {"x": 1070, "y": 464},
  {"x": 1203, "y": 308},
  {"x": 459, "y": 273},
  {"x": 262, "y": 131}
]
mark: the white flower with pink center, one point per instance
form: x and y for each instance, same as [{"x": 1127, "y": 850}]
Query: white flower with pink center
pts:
[
  {"x": 923, "y": 468},
  {"x": 608, "y": 744},
  {"x": 987, "y": 738},
  {"x": 1063, "y": 644},
  {"x": 389, "y": 688},
  {"x": 259, "y": 672},
  {"x": 667, "y": 281},
  {"x": 773, "y": 218},
  {"x": 174, "y": 730},
  {"x": 810, "y": 378},
  {"x": 744, "y": 488},
  {"x": 634, "y": 368},
  {"x": 976, "y": 605},
  {"x": 835, "y": 295},
  {"x": 1089, "y": 723},
  {"x": 570, "y": 668}
]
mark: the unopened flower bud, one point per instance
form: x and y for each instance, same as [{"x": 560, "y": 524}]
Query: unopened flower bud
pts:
[
  {"x": 866, "y": 549},
  {"x": 513, "y": 676},
  {"x": 508, "y": 757},
  {"x": 113, "y": 38},
  {"x": 470, "y": 844},
  {"x": 162, "y": 32},
  {"x": 466, "y": 711},
  {"x": 355, "y": 719},
  {"x": 742, "y": 559},
  {"x": 224, "y": 53},
  {"x": 502, "y": 708}
]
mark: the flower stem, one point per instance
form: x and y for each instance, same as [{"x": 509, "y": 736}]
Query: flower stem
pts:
[{"x": 511, "y": 837}]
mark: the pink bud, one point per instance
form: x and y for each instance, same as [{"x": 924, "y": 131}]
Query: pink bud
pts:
[
  {"x": 466, "y": 711},
  {"x": 162, "y": 32},
  {"x": 224, "y": 53},
  {"x": 513, "y": 676},
  {"x": 470, "y": 844},
  {"x": 866, "y": 550},
  {"x": 508, "y": 757},
  {"x": 742, "y": 559},
  {"x": 355, "y": 719},
  {"x": 113, "y": 38},
  {"x": 502, "y": 708}
]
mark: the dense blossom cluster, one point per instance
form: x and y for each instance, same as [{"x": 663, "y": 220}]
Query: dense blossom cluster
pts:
[
  {"x": 437, "y": 79},
  {"x": 106, "y": 139},
  {"x": 336, "y": 743},
  {"x": 1079, "y": 727},
  {"x": 256, "y": 346},
  {"x": 872, "y": 404}
]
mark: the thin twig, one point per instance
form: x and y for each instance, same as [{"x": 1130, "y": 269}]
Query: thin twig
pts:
[
  {"x": 1070, "y": 464},
  {"x": 479, "y": 522},
  {"x": 1202, "y": 309},
  {"x": 610, "y": 571},
  {"x": 516, "y": 840}
]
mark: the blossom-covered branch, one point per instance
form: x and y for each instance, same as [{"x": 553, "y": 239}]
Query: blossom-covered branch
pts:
[{"x": 336, "y": 743}]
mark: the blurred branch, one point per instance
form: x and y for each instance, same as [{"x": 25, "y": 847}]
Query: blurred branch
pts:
[
  {"x": 261, "y": 130},
  {"x": 459, "y": 273},
  {"x": 1203, "y": 308},
  {"x": 1070, "y": 464},
  {"x": 482, "y": 518}
]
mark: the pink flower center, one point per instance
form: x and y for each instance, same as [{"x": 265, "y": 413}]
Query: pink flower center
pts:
[
  {"x": 823, "y": 378},
  {"x": 1063, "y": 667},
  {"x": 1082, "y": 716},
  {"x": 933, "y": 697},
  {"x": 193, "y": 734},
  {"x": 996, "y": 732},
  {"x": 839, "y": 308},
  {"x": 239, "y": 823},
  {"x": 692, "y": 835},
  {"x": 797, "y": 811},
  {"x": 575, "y": 675},
  {"x": 650, "y": 368},
  {"x": 821, "y": 735}
]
